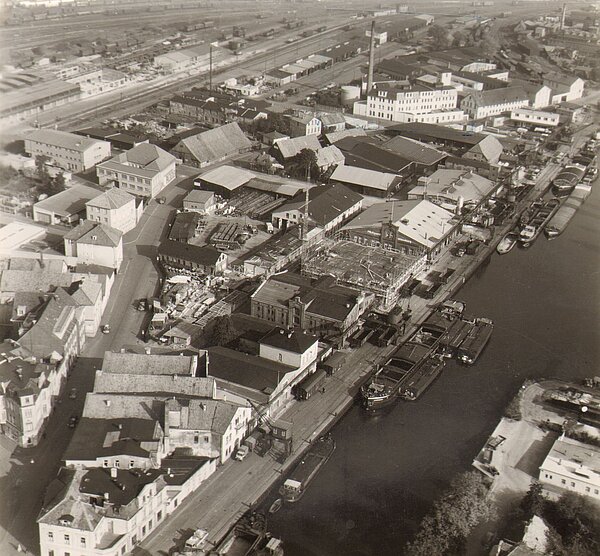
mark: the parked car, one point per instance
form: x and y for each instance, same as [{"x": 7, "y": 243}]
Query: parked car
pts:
[
  {"x": 106, "y": 329},
  {"x": 241, "y": 453},
  {"x": 73, "y": 393},
  {"x": 73, "y": 421}
]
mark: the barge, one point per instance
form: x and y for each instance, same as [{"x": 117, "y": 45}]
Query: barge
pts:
[
  {"x": 304, "y": 472},
  {"x": 472, "y": 346},
  {"x": 566, "y": 212},
  {"x": 421, "y": 378},
  {"x": 384, "y": 387},
  {"x": 538, "y": 222},
  {"x": 506, "y": 243}
]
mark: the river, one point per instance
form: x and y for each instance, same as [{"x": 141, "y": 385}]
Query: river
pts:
[{"x": 387, "y": 469}]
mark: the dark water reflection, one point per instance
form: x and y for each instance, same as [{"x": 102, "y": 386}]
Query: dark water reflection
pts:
[{"x": 387, "y": 469}]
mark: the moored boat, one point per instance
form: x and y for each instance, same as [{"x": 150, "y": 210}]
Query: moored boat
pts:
[
  {"x": 276, "y": 506},
  {"x": 560, "y": 220},
  {"x": 472, "y": 346},
  {"x": 301, "y": 476},
  {"x": 506, "y": 243},
  {"x": 422, "y": 377},
  {"x": 538, "y": 222}
]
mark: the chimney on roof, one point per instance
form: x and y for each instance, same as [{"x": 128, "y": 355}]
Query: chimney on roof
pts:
[
  {"x": 148, "y": 350},
  {"x": 106, "y": 497},
  {"x": 120, "y": 426},
  {"x": 113, "y": 472},
  {"x": 107, "y": 403}
]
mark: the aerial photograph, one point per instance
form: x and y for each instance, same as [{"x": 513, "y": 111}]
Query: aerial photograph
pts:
[{"x": 299, "y": 277}]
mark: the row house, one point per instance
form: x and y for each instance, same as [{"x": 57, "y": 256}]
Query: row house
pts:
[
  {"x": 93, "y": 243},
  {"x": 482, "y": 104}
]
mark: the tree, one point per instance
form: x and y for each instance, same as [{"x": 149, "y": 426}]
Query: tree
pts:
[
  {"x": 41, "y": 169},
  {"x": 463, "y": 506},
  {"x": 59, "y": 183},
  {"x": 306, "y": 163},
  {"x": 533, "y": 502},
  {"x": 439, "y": 35},
  {"x": 223, "y": 331}
]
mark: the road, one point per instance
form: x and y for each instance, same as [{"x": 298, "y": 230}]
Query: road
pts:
[{"x": 28, "y": 472}]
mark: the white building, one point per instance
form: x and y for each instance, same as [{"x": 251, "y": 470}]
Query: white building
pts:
[
  {"x": 143, "y": 171},
  {"x": 564, "y": 88},
  {"x": 535, "y": 117},
  {"x": 68, "y": 151},
  {"x": 115, "y": 208},
  {"x": 482, "y": 104},
  {"x": 572, "y": 466},
  {"x": 93, "y": 243},
  {"x": 109, "y": 511},
  {"x": 410, "y": 105}
]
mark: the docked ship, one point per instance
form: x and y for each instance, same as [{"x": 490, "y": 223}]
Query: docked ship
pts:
[
  {"x": 538, "y": 221},
  {"x": 475, "y": 341},
  {"x": 294, "y": 487},
  {"x": 568, "y": 178},
  {"x": 566, "y": 212},
  {"x": 384, "y": 387},
  {"x": 421, "y": 378},
  {"x": 506, "y": 243}
]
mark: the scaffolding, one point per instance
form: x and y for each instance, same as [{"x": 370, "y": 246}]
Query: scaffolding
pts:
[{"x": 375, "y": 270}]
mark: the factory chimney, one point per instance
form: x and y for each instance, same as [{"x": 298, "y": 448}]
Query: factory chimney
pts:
[
  {"x": 371, "y": 58},
  {"x": 563, "y": 17}
]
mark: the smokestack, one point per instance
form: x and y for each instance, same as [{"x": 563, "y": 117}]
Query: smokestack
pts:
[
  {"x": 371, "y": 58},
  {"x": 563, "y": 17}
]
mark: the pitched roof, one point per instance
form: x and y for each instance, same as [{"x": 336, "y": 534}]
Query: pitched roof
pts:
[
  {"x": 33, "y": 280},
  {"x": 421, "y": 221},
  {"x": 122, "y": 406},
  {"x": 96, "y": 438},
  {"x": 184, "y": 226},
  {"x": 329, "y": 156},
  {"x": 297, "y": 340},
  {"x": 114, "y": 198},
  {"x": 94, "y": 233},
  {"x": 453, "y": 184},
  {"x": 489, "y": 147},
  {"x": 70, "y": 201},
  {"x": 335, "y": 136},
  {"x": 215, "y": 144},
  {"x": 332, "y": 118},
  {"x": 48, "y": 265},
  {"x": 418, "y": 131},
  {"x": 205, "y": 255},
  {"x": 413, "y": 150},
  {"x": 143, "y": 364},
  {"x": 63, "y": 139},
  {"x": 129, "y": 383},
  {"x": 198, "y": 196},
  {"x": 229, "y": 177},
  {"x": 493, "y": 97},
  {"x": 325, "y": 202},
  {"x": 206, "y": 415},
  {"x": 144, "y": 159},
  {"x": 291, "y": 147},
  {"x": 363, "y": 177}
]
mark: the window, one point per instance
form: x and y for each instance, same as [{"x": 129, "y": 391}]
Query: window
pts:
[
  {"x": 105, "y": 463},
  {"x": 159, "y": 515},
  {"x": 50, "y": 536},
  {"x": 83, "y": 542},
  {"x": 572, "y": 483},
  {"x": 563, "y": 481},
  {"x": 67, "y": 539}
]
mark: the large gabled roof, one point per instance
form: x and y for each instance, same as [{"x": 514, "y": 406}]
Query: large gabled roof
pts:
[
  {"x": 414, "y": 151},
  {"x": 114, "y": 198},
  {"x": 215, "y": 144},
  {"x": 325, "y": 202},
  {"x": 489, "y": 147},
  {"x": 206, "y": 255},
  {"x": 494, "y": 97},
  {"x": 148, "y": 364},
  {"x": 94, "y": 233},
  {"x": 291, "y": 147},
  {"x": 63, "y": 139},
  {"x": 144, "y": 159},
  {"x": 373, "y": 179}
]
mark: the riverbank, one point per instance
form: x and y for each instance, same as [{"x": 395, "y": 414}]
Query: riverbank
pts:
[{"x": 238, "y": 485}]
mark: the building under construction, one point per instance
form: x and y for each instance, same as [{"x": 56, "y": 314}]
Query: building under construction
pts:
[{"x": 369, "y": 269}]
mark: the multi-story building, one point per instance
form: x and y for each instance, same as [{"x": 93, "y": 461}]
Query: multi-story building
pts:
[
  {"x": 115, "y": 208},
  {"x": 93, "y": 243},
  {"x": 564, "y": 88},
  {"x": 482, "y": 104},
  {"x": 107, "y": 512},
  {"x": 572, "y": 466},
  {"x": 68, "y": 151},
  {"x": 26, "y": 394},
  {"x": 143, "y": 171},
  {"x": 304, "y": 124},
  {"x": 318, "y": 306},
  {"x": 204, "y": 259},
  {"x": 409, "y": 105},
  {"x": 66, "y": 207}
]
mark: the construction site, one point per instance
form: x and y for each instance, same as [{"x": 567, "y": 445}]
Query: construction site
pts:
[{"x": 381, "y": 272}]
